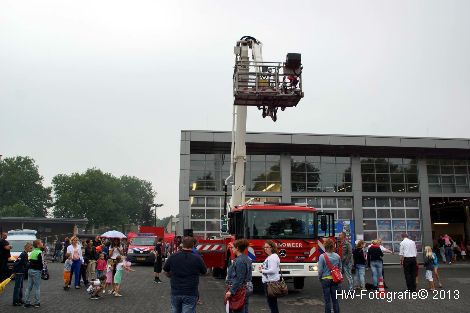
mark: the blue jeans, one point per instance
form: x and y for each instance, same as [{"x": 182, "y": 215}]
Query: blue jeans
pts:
[
  {"x": 347, "y": 273},
  {"x": 34, "y": 287},
  {"x": 183, "y": 304},
  {"x": 18, "y": 291},
  {"x": 359, "y": 276},
  {"x": 76, "y": 266},
  {"x": 99, "y": 274},
  {"x": 449, "y": 254},
  {"x": 376, "y": 267},
  {"x": 329, "y": 295}
]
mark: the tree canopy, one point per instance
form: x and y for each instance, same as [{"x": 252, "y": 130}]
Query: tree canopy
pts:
[
  {"x": 103, "y": 198},
  {"x": 21, "y": 188}
]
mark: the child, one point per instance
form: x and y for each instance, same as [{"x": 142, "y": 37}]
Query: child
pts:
[
  {"x": 436, "y": 266},
  {"x": 95, "y": 287},
  {"x": 100, "y": 266},
  {"x": 118, "y": 275},
  {"x": 20, "y": 267},
  {"x": 109, "y": 276},
  {"x": 429, "y": 265},
  {"x": 67, "y": 271}
]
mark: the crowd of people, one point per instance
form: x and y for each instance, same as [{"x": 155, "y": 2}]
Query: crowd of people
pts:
[{"x": 99, "y": 265}]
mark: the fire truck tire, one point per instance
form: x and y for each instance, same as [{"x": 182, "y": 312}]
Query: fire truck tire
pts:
[
  {"x": 299, "y": 282},
  {"x": 217, "y": 272},
  {"x": 257, "y": 284}
]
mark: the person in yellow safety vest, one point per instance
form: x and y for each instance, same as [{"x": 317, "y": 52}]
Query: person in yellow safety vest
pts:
[{"x": 34, "y": 276}]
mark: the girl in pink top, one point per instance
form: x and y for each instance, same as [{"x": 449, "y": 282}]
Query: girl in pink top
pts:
[{"x": 100, "y": 266}]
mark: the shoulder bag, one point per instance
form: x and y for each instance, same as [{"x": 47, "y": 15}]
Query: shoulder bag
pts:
[
  {"x": 276, "y": 289},
  {"x": 335, "y": 271}
]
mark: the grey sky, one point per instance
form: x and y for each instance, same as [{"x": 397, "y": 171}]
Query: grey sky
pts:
[{"x": 110, "y": 84}]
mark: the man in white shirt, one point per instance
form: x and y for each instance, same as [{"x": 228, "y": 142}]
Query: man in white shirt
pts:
[{"x": 408, "y": 261}]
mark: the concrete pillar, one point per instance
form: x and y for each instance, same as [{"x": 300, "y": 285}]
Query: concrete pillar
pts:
[
  {"x": 424, "y": 202},
  {"x": 184, "y": 199},
  {"x": 357, "y": 196},
  {"x": 466, "y": 223},
  {"x": 286, "y": 178}
]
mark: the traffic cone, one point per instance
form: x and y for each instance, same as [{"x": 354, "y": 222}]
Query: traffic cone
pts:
[{"x": 381, "y": 290}]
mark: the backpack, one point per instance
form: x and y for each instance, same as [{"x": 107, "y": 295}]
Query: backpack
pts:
[
  {"x": 435, "y": 260},
  {"x": 335, "y": 271}
]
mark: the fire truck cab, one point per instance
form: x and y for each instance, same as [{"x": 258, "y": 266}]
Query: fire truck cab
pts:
[{"x": 297, "y": 230}]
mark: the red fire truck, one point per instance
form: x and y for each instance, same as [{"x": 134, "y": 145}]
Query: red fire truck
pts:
[{"x": 297, "y": 230}]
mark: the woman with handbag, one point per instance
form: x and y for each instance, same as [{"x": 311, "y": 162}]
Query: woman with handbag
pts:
[
  {"x": 329, "y": 264},
  {"x": 270, "y": 270},
  {"x": 239, "y": 285}
]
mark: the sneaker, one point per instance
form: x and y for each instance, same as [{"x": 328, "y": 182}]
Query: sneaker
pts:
[
  {"x": 37, "y": 305},
  {"x": 117, "y": 295},
  {"x": 159, "y": 281},
  {"x": 104, "y": 291},
  {"x": 27, "y": 305},
  {"x": 110, "y": 292},
  {"x": 16, "y": 304},
  {"x": 77, "y": 287},
  {"x": 94, "y": 298}
]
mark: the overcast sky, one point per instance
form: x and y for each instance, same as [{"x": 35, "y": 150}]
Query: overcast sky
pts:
[{"x": 110, "y": 84}]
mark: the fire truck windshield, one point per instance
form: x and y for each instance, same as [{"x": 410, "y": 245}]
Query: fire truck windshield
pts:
[
  {"x": 263, "y": 224},
  {"x": 143, "y": 241}
]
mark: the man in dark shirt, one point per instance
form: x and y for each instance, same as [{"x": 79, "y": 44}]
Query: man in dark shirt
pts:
[
  {"x": 157, "y": 267},
  {"x": 4, "y": 256},
  {"x": 184, "y": 269}
]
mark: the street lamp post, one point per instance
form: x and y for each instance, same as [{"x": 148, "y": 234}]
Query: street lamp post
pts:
[{"x": 155, "y": 206}]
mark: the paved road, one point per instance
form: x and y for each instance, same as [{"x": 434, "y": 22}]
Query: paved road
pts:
[{"x": 140, "y": 294}]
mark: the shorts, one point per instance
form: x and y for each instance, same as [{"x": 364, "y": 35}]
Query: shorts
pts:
[
  {"x": 429, "y": 275},
  {"x": 157, "y": 267},
  {"x": 67, "y": 278}
]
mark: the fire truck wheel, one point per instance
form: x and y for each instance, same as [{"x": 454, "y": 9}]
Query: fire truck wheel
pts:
[
  {"x": 257, "y": 284},
  {"x": 299, "y": 282},
  {"x": 217, "y": 272}
]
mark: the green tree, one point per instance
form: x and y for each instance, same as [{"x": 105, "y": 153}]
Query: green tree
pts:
[
  {"x": 21, "y": 187},
  {"x": 102, "y": 198},
  {"x": 137, "y": 198},
  {"x": 18, "y": 209}
]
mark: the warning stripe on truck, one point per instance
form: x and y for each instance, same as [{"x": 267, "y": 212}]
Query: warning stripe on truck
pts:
[{"x": 210, "y": 248}]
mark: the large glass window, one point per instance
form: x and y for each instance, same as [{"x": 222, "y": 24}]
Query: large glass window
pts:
[
  {"x": 263, "y": 173},
  {"x": 389, "y": 175},
  {"x": 208, "y": 171},
  {"x": 205, "y": 215},
  {"x": 448, "y": 176},
  {"x": 321, "y": 174},
  {"x": 279, "y": 224},
  {"x": 388, "y": 218},
  {"x": 340, "y": 207}
]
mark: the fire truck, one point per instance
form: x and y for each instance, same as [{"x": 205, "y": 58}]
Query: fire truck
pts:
[{"x": 298, "y": 230}]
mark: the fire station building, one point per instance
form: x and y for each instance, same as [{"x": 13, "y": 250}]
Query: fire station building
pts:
[{"x": 377, "y": 187}]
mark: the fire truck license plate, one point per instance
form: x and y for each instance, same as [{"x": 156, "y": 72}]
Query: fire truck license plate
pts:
[{"x": 140, "y": 259}]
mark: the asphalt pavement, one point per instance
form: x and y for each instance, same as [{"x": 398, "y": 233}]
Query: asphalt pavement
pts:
[{"x": 140, "y": 294}]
